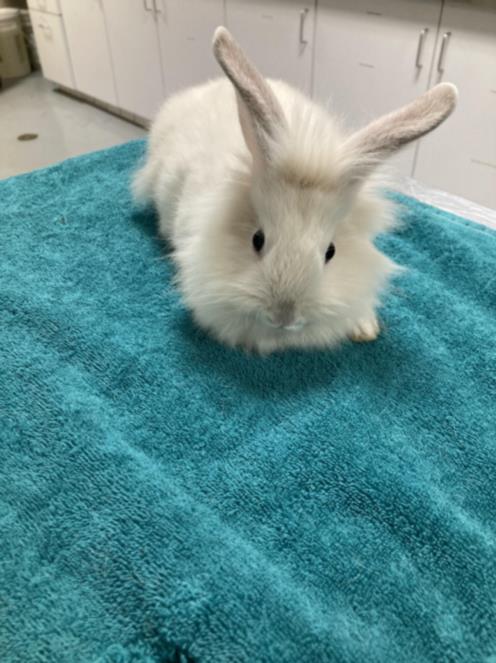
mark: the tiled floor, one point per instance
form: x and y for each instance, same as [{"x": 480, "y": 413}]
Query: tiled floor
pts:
[{"x": 65, "y": 126}]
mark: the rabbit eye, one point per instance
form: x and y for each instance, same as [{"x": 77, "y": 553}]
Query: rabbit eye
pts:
[
  {"x": 258, "y": 240},
  {"x": 331, "y": 250}
]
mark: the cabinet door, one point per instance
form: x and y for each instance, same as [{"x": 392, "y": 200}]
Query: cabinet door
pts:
[
  {"x": 372, "y": 56},
  {"x": 51, "y": 6},
  {"x": 90, "y": 54},
  {"x": 460, "y": 156},
  {"x": 132, "y": 33},
  {"x": 277, "y": 36},
  {"x": 52, "y": 48},
  {"x": 186, "y": 28}
]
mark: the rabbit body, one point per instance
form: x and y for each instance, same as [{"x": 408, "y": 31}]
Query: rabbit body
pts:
[
  {"x": 198, "y": 175},
  {"x": 227, "y": 165}
]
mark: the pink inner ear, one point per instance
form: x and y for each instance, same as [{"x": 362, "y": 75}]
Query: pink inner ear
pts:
[
  {"x": 389, "y": 133},
  {"x": 260, "y": 114},
  {"x": 249, "y": 133}
]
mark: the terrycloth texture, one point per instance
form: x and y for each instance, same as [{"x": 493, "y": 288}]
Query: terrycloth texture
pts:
[{"x": 164, "y": 498}]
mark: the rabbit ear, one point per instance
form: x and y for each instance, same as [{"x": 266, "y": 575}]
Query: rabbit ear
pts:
[
  {"x": 389, "y": 133},
  {"x": 260, "y": 113}
]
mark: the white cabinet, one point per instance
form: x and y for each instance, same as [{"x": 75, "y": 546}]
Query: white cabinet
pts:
[
  {"x": 361, "y": 58},
  {"x": 372, "y": 56},
  {"x": 185, "y": 29},
  {"x": 278, "y": 36},
  {"x": 50, "y": 6},
  {"x": 135, "y": 52},
  {"x": 88, "y": 46},
  {"x": 52, "y": 48},
  {"x": 460, "y": 156}
]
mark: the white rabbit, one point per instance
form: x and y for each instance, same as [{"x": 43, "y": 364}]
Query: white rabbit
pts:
[{"x": 270, "y": 210}]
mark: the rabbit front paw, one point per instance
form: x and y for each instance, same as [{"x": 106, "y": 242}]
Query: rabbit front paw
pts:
[{"x": 366, "y": 330}]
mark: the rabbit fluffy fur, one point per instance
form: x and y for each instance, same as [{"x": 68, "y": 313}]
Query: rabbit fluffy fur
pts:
[{"x": 230, "y": 158}]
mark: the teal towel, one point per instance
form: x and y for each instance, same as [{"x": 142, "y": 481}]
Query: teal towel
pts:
[{"x": 166, "y": 499}]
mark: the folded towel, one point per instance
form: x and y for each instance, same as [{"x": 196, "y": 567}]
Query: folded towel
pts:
[{"x": 164, "y": 498}]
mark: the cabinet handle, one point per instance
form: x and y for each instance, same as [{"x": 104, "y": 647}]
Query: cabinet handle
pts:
[
  {"x": 46, "y": 28},
  {"x": 442, "y": 52},
  {"x": 303, "y": 16},
  {"x": 146, "y": 7},
  {"x": 420, "y": 48},
  {"x": 156, "y": 6}
]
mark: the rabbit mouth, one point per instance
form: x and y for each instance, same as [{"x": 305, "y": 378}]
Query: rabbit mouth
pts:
[
  {"x": 294, "y": 327},
  {"x": 281, "y": 326}
]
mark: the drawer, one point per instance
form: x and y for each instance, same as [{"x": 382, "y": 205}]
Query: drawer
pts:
[
  {"x": 52, "y": 48},
  {"x": 50, "y": 6}
]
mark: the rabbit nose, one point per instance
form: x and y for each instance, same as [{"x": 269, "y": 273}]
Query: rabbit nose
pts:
[{"x": 285, "y": 317}]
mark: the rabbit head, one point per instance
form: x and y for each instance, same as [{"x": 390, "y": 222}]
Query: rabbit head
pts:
[{"x": 303, "y": 268}]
